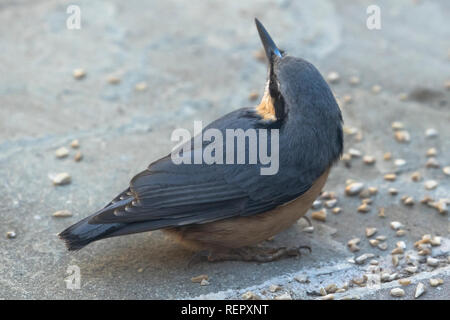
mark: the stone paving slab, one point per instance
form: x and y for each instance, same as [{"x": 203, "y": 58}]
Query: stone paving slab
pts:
[{"x": 197, "y": 59}]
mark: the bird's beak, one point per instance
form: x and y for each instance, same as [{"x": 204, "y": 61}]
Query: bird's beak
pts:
[{"x": 269, "y": 46}]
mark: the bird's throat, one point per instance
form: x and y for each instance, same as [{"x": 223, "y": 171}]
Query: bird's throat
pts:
[{"x": 266, "y": 109}]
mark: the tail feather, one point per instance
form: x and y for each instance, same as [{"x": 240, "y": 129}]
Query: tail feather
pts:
[{"x": 82, "y": 233}]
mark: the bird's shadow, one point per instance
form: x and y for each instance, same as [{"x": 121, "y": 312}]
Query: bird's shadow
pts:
[{"x": 152, "y": 255}]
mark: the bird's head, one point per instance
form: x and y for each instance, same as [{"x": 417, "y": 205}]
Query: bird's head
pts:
[{"x": 293, "y": 84}]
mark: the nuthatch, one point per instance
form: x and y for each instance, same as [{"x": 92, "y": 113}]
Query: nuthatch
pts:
[{"x": 228, "y": 208}]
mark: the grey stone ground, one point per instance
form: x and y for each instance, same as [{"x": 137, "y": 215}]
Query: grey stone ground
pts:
[{"x": 197, "y": 59}]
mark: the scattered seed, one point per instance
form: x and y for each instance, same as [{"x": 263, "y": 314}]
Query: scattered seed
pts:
[
  {"x": 328, "y": 297},
  {"x": 336, "y": 210},
  {"x": 440, "y": 206},
  {"x": 393, "y": 191},
  {"x": 316, "y": 204},
  {"x": 364, "y": 208},
  {"x": 381, "y": 212},
  {"x": 353, "y": 244},
  {"x": 383, "y": 246},
  {"x": 411, "y": 269},
  {"x": 420, "y": 289},
  {"x": 322, "y": 291},
  {"x": 431, "y": 133},
  {"x": 199, "y": 278},
  {"x": 328, "y": 195},
  {"x": 204, "y": 282},
  {"x": 397, "y": 125},
  {"x": 75, "y": 144},
  {"x": 302, "y": 278},
  {"x": 284, "y": 296},
  {"x": 362, "y": 258},
  {"x": 397, "y": 250},
  {"x": 408, "y": 201},
  {"x": 319, "y": 215},
  {"x": 333, "y": 77},
  {"x": 331, "y": 203},
  {"x": 435, "y": 241},
  {"x": 395, "y": 260},
  {"x": 274, "y": 288},
  {"x": 373, "y": 190},
  {"x": 432, "y": 152},
  {"x": 402, "y": 136},
  {"x": 141, "y": 86},
  {"x": 416, "y": 176},
  {"x": 434, "y": 282},
  {"x": 373, "y": 262},
  {"x": 62, "y": 214},
  {"x": 353, "y": 241},
  {"x": 397, "y": 292},
  {"x": 432, "y": 262},
  {"x": 446, "y": 170},
  {"x": 349, "y": 130},
  {"x": 10, "y": 235},
  {"x": 113, "y": 79},
  {"x": 354, "y": 80},
  {"x": 78, "y": 156},
  {"x": 390, "y": 177},
  {"x": 309, "y": 229},
  {"x": 426, "y": 200},
  {"x": 60, "y": 178},
  {"x": 381, "y": 238},
  {"x": 360, "y": 281},
  {"x": 396, "y": 225},
  {"x": 253, "y": 96},
  {"x": 347, "y": 158},
  {"x": 376, "y": 88},
  {"x": 404, "y": 282},
  {"x": 354, "y": 188},
  {"x": 432, "y": 163},
  {"x": 354, "y": 153},
  {"x": 79, "y": 73},
  {"x": 400, "y": 233},
  {"x": 61, "y": 152},
  {"x": 347, "y": 98},
  {"x": 387, "y": 156},
  {"x": 426, "y": 238},
  {"x": 374, "y": 242},
  {"x": 431, "y": 184},
  {"x": 399, "y": 162},
  {"x": 385, "y": 277},
  {"x": 401, "y": 244},
  {"x": 370, "y": 232},
  {"x": 424, "y": 252},
  {"x": 250, "y": 296}
]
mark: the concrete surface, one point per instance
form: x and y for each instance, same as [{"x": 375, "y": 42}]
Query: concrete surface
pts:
[{"x": 197, "y": 59}]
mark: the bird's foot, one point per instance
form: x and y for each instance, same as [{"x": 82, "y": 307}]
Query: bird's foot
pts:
[
  {"x": 256, "y": 254},
  {"x": 197, "y": 257}
]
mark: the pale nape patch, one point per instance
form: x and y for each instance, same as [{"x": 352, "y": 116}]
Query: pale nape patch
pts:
[{"x": 266, "y": 108}]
